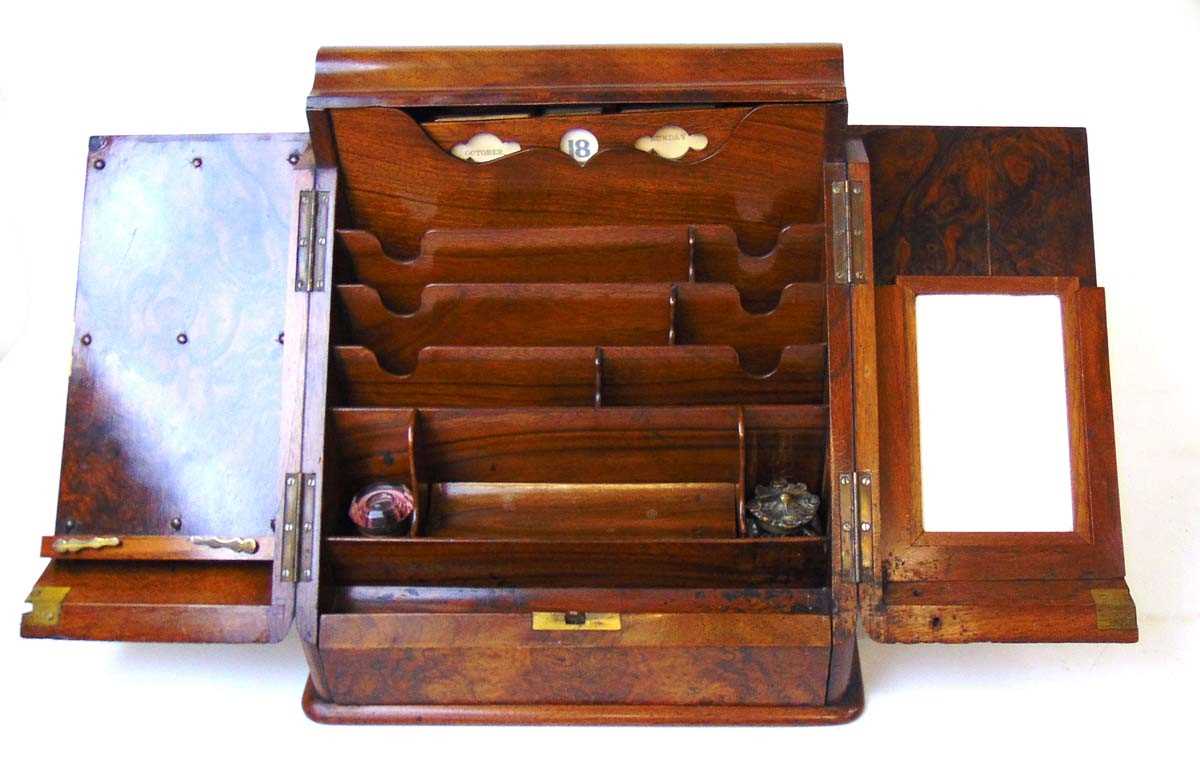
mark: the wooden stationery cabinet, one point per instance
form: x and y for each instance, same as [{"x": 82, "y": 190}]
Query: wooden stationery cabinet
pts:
[{"x": 596, "y": 314}]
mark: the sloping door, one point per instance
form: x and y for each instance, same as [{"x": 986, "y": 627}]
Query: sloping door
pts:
[
  {"x": 997, "y": 514},
  {"x": 185, "y": 399}
]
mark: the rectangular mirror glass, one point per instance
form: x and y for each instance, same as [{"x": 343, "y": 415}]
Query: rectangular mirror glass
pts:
[{"x": 992, "y": 411}]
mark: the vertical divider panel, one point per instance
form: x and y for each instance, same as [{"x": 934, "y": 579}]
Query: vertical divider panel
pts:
[
  {"x": 598, "y": 390},
  {"x": 414, "y": 528},
  {"x": 672, "y": 300},
  {"x": 839, "y": 455},
  {"x": 742, "y": 529}
]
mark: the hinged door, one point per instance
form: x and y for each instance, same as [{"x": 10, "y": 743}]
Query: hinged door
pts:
[
  {"x": 176, "y": 514},
  {"x": 996, "y": 514}
]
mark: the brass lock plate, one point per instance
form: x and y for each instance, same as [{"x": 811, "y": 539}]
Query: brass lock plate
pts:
[{"x": 576, "y": 621}]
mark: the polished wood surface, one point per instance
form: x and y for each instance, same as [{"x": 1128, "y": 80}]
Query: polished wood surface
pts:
[
  {"x": 1022, "y": 611},
  {"x": 476, "y": 377},
  {"x": 544, "y": 129},
  {"x": 582, "y": 372},
  {"x": 173, "y": 407},
  {"x": 916, "y": 561},
  {"x": 550, "y": 315},
  {"x": 358, "y": 598},
  {"x": 963, "y": 201},
  {"x": 698, "y": 659},
  {"x": 795, "y": 561},
  {"x": 580, "y": 511},
  {"x": 396, "y": 181},
  {"x": 611, "y": 74},
  {"x": 589, "y": 254},
  {"x": 183, "y": 401},
  {"x": 159, "y": 601}
]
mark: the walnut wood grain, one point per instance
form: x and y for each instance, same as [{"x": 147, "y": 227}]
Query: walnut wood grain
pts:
[
  {"x": 1041, "y": 611},
  {"x": 549, "y": 315},
  {"x": 729, "y": 563},
  {"x": 653, "y": 659},
  {"x": 405, "y": 599},
  {"x": 581, "y": 511},
  {"x": 397, "y": 182},
  {"x": 622, "y": 128},
  {"x": 834, "y": 712},
  {"x": 582, "y": 254},
  {"x": 978, "y": 563},
  {"x": 477, "y": 377},
  {"x": 560, "y": 445},
  {"x": 210, "y": 602},
  {"x": 508, "y": 315},
  {"x": 348, "y": 77},
  {"x": 174, "y": 401},
  {"x": 980, "y": 201}
]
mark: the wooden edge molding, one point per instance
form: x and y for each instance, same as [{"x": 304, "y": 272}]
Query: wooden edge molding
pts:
[
  {"x": 414, "y": 77},
  {"x": 843, "y": 710}
]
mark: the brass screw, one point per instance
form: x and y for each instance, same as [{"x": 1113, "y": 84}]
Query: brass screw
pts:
[
  {"x": 86, "y": 339},
  {"x": 197, "y": 162},
  {"x": 293, "y": 158},
  {"x": 98, "y": 164},
  {"x": 181, "y": 338},
  {"x": 177, "y": 523}
]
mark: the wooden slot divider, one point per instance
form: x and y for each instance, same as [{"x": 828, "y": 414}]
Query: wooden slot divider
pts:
[
  {"x": 620, "y": 376},
  {"x": 598, "y": 394},
  {"x": 700, "y": 253},
  {"x": 549, "y": 315},
  {"x": 766, "y": 175},
  {"x": 741, "y": 483},
  {"x": 414, "y": 527}
]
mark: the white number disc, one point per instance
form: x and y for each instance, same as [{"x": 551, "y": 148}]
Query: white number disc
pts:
[{"x": 579, "y": 144}]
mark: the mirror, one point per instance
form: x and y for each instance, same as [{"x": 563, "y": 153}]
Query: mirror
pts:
[{"x": 992, "y": 407}]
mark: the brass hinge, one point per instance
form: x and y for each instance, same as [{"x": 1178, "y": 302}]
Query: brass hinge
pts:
[
  {"x": 299, "y": 508},
  {"x": 849, "y": 232},
  {"x": 312, "y": 241},
  {"x": 856, "y": 502}
]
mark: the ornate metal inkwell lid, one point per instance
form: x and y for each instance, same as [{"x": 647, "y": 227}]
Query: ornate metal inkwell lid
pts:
[{"x": 784, "y": 508}]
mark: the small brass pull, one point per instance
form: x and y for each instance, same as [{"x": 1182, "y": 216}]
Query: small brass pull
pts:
[
  {"x": 576, "y": 620},
  {"x": 245, "y": 545},
  {"x": 93, "y": 543}
]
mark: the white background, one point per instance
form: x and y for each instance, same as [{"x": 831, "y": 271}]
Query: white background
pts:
[{"x": 1128, "y": 72}]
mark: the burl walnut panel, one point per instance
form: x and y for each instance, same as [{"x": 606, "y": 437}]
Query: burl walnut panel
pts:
[
  {"x": 696, "y": 658},
  {"x": 980, "y": 202},
  {"x": 173, "y": 407}
]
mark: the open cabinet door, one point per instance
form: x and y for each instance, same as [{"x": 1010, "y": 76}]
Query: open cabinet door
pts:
[
  {"x": 996, "y": 514},
  {"x": 185, "y": 401}
]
